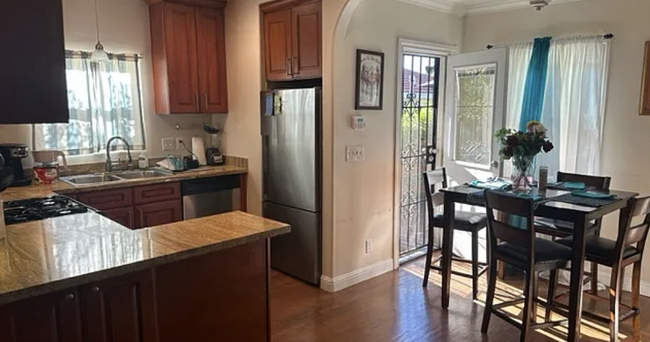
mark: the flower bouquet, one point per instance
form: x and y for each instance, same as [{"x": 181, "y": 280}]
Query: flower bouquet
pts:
[{"x": 521, "y": 148}]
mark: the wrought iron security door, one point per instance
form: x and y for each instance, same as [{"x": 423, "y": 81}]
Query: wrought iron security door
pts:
[{"x": 420, "y": 85}]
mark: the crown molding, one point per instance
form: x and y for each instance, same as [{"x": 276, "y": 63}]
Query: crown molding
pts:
[
  {"x": 444, "y": 6},
  {"x": 457, "y": 8}
]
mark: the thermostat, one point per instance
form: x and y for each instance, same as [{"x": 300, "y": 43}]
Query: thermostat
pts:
[{"x": 358, "y": 123}]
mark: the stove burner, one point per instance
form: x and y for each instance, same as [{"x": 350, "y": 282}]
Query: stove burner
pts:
[{"x": 41, "y": 208}]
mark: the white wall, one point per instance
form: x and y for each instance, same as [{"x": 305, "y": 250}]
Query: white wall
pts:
[
  {"x": 363, "y": 192},
  {"x": 124, "y": 27},
  {"x": 625, "y": 132}
]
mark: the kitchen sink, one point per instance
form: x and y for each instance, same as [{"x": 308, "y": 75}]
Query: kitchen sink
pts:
[
  {"x": 142, "y": 174},
  {"x": 90, "y": 179}
]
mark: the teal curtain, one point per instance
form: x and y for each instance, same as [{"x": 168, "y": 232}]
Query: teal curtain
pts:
[
  {"x": 533, "y": 103},
  {"x": 535, "y": 83}
]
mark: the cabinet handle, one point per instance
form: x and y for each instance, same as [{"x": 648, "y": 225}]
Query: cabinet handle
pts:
[
  {"x": 206, "y": 102},
  {"x": 289, "y": 66},
  {"x": 69, "y": 296},
  {"x": 196, "y": 102},
  {"x": 294, "y": 63},
  {"x": 95, "y": 289}
]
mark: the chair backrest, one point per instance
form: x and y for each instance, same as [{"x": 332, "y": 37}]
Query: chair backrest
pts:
[
  {"x": 434, "y": 179},
  {"x": 629, "y": 234},
  {"x": 597, "y": 182},
  {"x": 498, "y": 225}
]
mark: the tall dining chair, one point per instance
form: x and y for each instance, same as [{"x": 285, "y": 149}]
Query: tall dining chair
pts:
[
  {"x": 469, "y": 222},
  {"x": 562, "y": 229},
  {"x": 523, "y": 250},
  {"x": 625, "y": 251}
]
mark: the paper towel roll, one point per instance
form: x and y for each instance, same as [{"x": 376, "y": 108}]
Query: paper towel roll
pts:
[{"x": 199, "y": 150}]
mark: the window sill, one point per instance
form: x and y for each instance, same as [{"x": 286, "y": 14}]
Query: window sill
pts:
[{"x": 96, "y": 158}]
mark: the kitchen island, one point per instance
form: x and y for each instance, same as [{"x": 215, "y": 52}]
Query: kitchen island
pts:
[{"x": 84, "y": 277}]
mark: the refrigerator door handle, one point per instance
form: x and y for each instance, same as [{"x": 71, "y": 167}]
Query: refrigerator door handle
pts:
[{"x": 265, "y": 164}]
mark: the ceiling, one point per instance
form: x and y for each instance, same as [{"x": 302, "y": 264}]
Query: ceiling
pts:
[{"x": 462, "y": 7}]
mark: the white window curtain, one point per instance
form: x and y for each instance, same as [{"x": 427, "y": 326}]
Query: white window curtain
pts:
[
  {"x": 103, "y": 100},
  {"x": 574, "y": 104}
]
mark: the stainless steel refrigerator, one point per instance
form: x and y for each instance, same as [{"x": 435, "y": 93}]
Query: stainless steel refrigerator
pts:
[{"x": 291, "y": 148}]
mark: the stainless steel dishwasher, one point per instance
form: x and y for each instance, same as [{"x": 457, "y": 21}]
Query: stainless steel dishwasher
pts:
[{"x": 210, "y": 196}]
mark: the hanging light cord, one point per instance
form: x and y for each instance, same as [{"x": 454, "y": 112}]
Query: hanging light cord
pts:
[{"x": 97, "y": 20}]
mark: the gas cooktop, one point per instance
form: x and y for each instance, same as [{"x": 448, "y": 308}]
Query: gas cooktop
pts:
[{"x": 41, "y": 208}]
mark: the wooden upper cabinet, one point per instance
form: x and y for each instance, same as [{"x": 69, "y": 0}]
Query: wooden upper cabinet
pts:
[
  {"x": 211, "y": 38},
  {"x": 292, "y": 40},
  {"x": 32, "y": 65},
  {"x": 120, "y": 309},
  {"x": 307, "y": 41},
  {"x": 277, "y": 45},
  {"x": 189, "y": 58},
  {"x": 49, "y": 318}
]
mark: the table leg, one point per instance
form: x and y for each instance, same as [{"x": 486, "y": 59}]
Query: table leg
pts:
[
  {"x": 577, "y": 273},
  {"x": 447, "y": 249}
]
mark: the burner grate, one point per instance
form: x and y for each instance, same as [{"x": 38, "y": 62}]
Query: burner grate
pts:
[{"x": 41, "y": 208}]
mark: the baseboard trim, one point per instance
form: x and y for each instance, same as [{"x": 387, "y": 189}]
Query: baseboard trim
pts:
[
  {"x": 355, "y": 277},
  {"x": 605, "y": 275}
]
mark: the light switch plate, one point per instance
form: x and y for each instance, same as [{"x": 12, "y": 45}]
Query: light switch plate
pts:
[
  {"x": 168, "y": 144},
  {"x": 354, "y": 154}
]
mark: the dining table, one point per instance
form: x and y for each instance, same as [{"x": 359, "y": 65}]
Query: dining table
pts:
[{"x": 552, "y": 204}]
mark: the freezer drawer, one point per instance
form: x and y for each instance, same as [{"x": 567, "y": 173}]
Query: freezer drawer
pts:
[{"x": 299, "y": 252}]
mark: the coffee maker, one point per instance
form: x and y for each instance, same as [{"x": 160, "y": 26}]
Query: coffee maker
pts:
[{"x": 13, "y": 154}]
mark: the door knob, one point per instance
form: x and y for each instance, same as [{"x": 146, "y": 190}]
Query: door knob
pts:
[{"x": 494, "y": 164}]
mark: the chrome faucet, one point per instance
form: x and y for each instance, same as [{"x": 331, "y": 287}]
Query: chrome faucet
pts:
[{"x": 109, "y": 163}]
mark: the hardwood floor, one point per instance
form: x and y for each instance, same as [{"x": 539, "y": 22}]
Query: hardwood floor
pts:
[{"x": 395, "y": 307}]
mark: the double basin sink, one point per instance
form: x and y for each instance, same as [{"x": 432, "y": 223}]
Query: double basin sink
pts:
[{"x": 112, "y": 177}]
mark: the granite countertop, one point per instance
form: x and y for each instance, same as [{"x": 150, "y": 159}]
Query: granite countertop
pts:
[
  {"x": 202, "y": 172},
  {"x": 60, "y": 187},
  {"x": 50, "y": 255}
]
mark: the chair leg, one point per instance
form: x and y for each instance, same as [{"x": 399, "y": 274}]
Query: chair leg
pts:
[
  {"x": 533, "y": 309},
  {"x": 489, "y": 299},
  {"x": 594, "y": 278},
  {"x": 427, "y": 265},
  {"x": 528, "y": 306},
  {"x": 550, "y": 297},
  {"x": 614, "y": 300},
  {"x": 636, "y": 298},
  {"x": 474, "y": 265}
]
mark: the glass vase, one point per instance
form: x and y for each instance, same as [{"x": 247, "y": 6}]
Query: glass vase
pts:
[{"x": 521, "y": 174}]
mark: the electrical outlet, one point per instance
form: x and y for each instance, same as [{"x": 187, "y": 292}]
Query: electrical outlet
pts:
[
  {"x": 354, "y": 154},
  {"x": 168, "y": 144},
  {"x": 179, "y": 144},
  {"x": 368, "y": 246}
]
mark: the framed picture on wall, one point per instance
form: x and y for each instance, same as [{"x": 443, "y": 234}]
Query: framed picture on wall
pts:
[
  {"x": 645, "y": 86},
  {"x": 370, "y": 80}
]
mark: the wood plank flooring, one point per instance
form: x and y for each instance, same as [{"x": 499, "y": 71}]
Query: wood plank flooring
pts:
[{"x": 395, "y": 307}]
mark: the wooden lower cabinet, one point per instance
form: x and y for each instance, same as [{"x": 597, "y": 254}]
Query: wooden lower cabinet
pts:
[
  {"x": 120, "y": 309},
  {"x": 50, "y": 318},
  {"x": 123, "y": 216},
  {"x": 155, "y": 214}
]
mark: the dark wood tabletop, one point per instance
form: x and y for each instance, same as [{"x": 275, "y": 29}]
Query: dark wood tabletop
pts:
[{"x": 580, "y": 215}]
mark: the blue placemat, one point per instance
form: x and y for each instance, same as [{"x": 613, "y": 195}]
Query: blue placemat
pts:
[{"x": 585, "y": 201}]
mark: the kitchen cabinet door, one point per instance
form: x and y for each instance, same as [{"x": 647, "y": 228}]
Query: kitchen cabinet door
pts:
[
  {"x": 48, "y": 318},
  {"x": 277, "y": 45},
  {"x": 155, "y": 214},
  {"x": 123, "y": 216},
  {"x": 120, "y": 309},
  {"x": 211, "y": 40},
  {"x": 173, "y": 40},
  {"x": 32, "y": 63},
  {"x": 307, "y": 41}
]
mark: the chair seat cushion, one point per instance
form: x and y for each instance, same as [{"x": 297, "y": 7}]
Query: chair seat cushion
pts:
[
  {"x": 545, "y": 251},
  {"x": 463, "y": 220},
  {"x": 600, "y": 250}
]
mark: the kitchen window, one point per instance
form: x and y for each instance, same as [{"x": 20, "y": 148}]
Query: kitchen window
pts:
[{"x": 104, "y": 100}]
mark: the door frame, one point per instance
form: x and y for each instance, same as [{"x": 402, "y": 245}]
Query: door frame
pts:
[{"x": 437, "y": 50}]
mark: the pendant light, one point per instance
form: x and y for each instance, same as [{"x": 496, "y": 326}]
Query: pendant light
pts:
[{"x": 99, "y": 55}]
